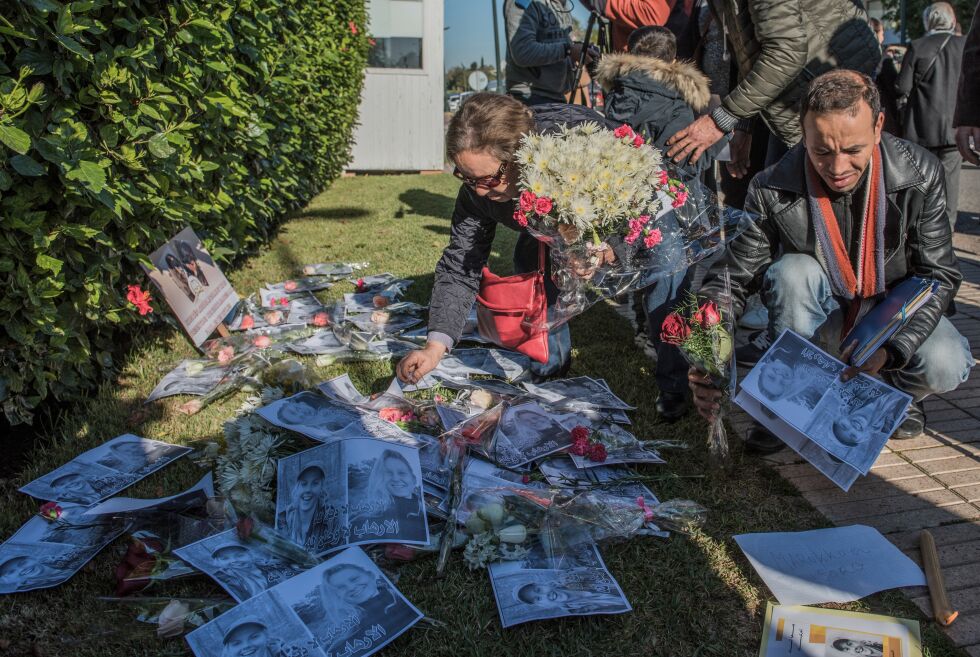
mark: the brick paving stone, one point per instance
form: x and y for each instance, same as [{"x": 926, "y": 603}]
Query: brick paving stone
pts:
[
  {"x": 941, "y": 453},
  {"x": 888, "y": 460},
  {"x": 936, "y": 404},
  {"x": 959, "y": 479},
  {"x": 973, "y": 651},
  {"x": 942, "y": 426},
  {"x": 921, "y": 519},
  {"x": 948, "y": 535},
  {"x": 923, "y": 441},
  {"x": 966, "y": 601},
  {"x": 957, "y": 464},
  {"x": 864, "y": 489},
  {"x": 947, "y": 414},
  {"x": 965, "y": 437},
  {"x": 848, "y": 511},
  {"x": 966, "y": 630},
  {"x": 969, "y": 493}
]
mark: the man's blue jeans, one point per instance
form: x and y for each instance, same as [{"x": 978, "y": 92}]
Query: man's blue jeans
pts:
[{"x": 797, "y": 293}]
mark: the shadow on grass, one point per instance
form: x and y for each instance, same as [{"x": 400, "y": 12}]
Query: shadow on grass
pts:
[
  {"x": 330, "y": 213},
  {"x": 424, "y": 203},
  {"x": 439, "y": 229}
]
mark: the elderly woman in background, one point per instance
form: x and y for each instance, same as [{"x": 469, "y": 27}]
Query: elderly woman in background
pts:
[{"x": 929, "y": 78}]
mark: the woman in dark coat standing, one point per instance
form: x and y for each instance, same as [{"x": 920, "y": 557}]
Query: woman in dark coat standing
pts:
[{"x": 929, "y": 78}]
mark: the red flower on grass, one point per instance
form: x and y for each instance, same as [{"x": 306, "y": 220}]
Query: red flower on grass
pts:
[
  {"x": 597, "y": 452},
  {"x": 50, "y": 511},
  {"x": 139, "y": 298}
]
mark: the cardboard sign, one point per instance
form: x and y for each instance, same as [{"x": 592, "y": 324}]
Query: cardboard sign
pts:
[{"x": 192, "y": 285}]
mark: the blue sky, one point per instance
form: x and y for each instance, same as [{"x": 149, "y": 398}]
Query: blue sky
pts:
[{"x": 470, "y": 33}]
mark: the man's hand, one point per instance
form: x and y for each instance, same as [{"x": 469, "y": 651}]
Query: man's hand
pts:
[
  {"x": 694, "y": 140},
  {"x": 740, "y": 148},
  {"x": 706, "y": 396},
  {"x": 575, "y": 53},
  {"x": 964, "y": 135},
  {"x": 420, "y": 362},
  {"x": 871, "y": 366}
]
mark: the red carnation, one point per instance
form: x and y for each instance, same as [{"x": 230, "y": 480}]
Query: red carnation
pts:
[
  {"x": 543, "y": 205},
  {"x": 597, "y": 452},
  {"x": 360, "y": 285},
  {"x": 527, "y": 200},
  {"x": 580, "y": 433},
  {"x": 520, "y": 218},
  {"x": 674, "y": 330},
  {"x": 623, "y": 131}
]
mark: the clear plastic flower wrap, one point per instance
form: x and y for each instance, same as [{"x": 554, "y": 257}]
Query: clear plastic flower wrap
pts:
[
  {"x": 167, "y": 618},
  {"x": 333, "y": 270},
  {"x": 616, "y": 216},
  {"x": 703, "y": 331},
  {"x": 504, "y": 522}
]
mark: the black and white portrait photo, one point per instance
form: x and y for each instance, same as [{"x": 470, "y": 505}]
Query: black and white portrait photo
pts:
[
  {"x": 190, "y": 377},
  {"x": 244, "y": 569},
  {"x": 133, "y": 455},
  {"x": 434, "y": 469},
  {"x": 349, "y": 605},
  {"x": 384, "y": 493},
  {"x": 531, "y": 431},
  {"x": 843, "y": 643},
  {"x": 71, "y": 528},
  {"x": 312, "y": 415},
  {"x": 792, "y": 377},
  {"x": 79, "y": 483},
  {"x": 580, "y": 391},
  {"x": 29, "y": 566},
  {"x": 311, "y": 499},
  {"x": 263, "y": 626},
  {"x": 531, "y": 594},
  {"x": 342, "y": 389}
]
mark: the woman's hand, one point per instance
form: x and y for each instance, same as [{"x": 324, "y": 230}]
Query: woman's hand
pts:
[
  {"x": 706, "y": 395},
  {"x": 420, "y": 362},
  {"x": 599, "y": 256}
]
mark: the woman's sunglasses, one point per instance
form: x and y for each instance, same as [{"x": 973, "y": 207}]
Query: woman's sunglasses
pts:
[{"x": 485, "y": 182}]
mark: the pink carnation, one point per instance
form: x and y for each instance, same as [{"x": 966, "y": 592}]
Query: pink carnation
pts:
[
  {"x": 289, "y": 286},
  {"x": 623, "y": 131},
  {"x": 542, "y": 205},
  {"x": 597, "y": 452},
  {"x": 680, "y": 200},
  {"x": 390, "y": 414},
  {"x": 664, "y": 178},
  {"x": 638, "y": 141},
  {"x": 653, "y": 238},
  {"x": 520, "y": 218},
  {"x": 262, "y": 341},
  {"x": 321, "y": 319},
  {"x": 527, "y": 200},
  {"x": 247, "y": 322}
]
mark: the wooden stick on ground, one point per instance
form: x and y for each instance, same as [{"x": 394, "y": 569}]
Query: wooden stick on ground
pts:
[{"x": 941, "y": 608}]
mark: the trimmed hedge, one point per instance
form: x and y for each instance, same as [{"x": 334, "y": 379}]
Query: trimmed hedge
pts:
[{"x": 121, "y": 121}]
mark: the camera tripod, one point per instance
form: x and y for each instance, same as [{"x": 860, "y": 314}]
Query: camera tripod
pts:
[{"x": 599, "y": 25}]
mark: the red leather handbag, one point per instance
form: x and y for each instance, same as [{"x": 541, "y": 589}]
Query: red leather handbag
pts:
[{"x": 512, "y": 311}]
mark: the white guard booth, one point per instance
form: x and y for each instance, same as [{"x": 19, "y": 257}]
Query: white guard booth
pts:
[{"x": 401, "y": 112}]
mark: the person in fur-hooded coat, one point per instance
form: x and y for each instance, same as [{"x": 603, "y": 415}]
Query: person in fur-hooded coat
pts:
[{"x": 654, "y": 93}]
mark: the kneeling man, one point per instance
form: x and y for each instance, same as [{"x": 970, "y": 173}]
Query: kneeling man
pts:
[{"x": 847, "y": 214}]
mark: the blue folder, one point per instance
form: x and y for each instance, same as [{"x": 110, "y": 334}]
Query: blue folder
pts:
[{"x": 891, "y": 314}]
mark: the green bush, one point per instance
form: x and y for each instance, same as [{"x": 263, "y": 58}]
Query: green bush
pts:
[{"x": 121, "y": 121}]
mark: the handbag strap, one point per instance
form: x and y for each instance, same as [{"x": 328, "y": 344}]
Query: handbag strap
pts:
[
  {"x": 541, "y": 257},
  {"x": 932, "y": 62}
]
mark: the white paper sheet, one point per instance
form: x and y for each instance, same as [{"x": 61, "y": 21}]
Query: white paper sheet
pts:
[
  {"x": 840, "y": 564},
  {"x": 203, "y": 489}
]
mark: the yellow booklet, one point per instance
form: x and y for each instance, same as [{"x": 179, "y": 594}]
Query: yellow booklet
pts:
[{"x": 796, "y": 631}]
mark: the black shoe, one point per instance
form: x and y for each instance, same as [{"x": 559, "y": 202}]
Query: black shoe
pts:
[
  {"x": 760, "y": 441},
  {"x": 672, "y": 406},
  {"x": 914, "y": 423},
  {"x": 750, "y": 352}
]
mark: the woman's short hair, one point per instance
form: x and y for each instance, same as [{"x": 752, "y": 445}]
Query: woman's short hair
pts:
[
  {"x": 489, "y": 122},
  {"x": 653, "y": 41},
  {"x": 840, "y": 90}
]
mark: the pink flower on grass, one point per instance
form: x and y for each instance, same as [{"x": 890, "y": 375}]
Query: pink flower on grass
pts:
[
  {"x": 247, "y": 322},
  {"x": 580, "y": 433},
  {"x": 321, "y": 319},
  {"x": 653, "y": 238},
  {"x": 262, "y": 341},
  {"x": 289, "y": 286},
  {"x": 225, "y": 355},
  {"x": 624, "y": 131},
  {"x": 283, "y": 301},
  {"x": 50, "y": 511},
  {"x": 527, "y": 200},
  {"x": 360, "y": 285},
  {"x": 597, "y": 452},
  {"x": 543, "y": 205}
]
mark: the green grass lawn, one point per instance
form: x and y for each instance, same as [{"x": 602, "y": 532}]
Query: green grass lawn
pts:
[{"x": 692, "y": 595}]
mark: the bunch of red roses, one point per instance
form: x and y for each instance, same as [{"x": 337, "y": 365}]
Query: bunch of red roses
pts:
[{"x": 585, "y": 444}]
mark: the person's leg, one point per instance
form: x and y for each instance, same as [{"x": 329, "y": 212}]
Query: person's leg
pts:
[
  {"x": 952, "y": 163},
  {"x": 941, "y": 364},
  {"x": 671, "y": 371},
  {"x": 797, "y": 294}
]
